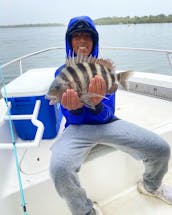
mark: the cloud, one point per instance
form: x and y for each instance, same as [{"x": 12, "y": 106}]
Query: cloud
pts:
[{"x": 43, "y": 11}]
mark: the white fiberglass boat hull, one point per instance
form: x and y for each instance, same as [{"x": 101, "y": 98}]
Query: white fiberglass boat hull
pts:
[{"x": 109, "y": 176}]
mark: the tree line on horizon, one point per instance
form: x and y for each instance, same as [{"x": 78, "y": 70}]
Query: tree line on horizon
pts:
[
  {"x": 161, "y": 18},
  {"x": 32, "y": 25}
]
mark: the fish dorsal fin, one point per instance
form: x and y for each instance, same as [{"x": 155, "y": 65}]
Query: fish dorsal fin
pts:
[
  {"x": 106, "y": 63},
  {"x": 90, "y": 59},
  {"x": 80, "y": 59}
]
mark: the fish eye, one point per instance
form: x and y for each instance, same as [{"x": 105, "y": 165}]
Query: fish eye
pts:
[{"x": 57, "y": 87}]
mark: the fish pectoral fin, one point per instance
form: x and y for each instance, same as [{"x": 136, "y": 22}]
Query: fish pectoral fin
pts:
[
  {"x": 88, "y": 96},
  {"x": 85, "y": 98},
  {"x": 91, "y": 106}
]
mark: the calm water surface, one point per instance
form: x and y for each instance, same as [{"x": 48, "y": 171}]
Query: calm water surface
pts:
[{"x": 15, "y": 42}]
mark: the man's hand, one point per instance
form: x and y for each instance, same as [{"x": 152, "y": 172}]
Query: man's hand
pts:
[
  {"x": 70, "y": 100},
  {"x": 98, "y": 86}
]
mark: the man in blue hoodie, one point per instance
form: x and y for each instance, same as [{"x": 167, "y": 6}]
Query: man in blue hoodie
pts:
[{"x": 86, "y": 127}]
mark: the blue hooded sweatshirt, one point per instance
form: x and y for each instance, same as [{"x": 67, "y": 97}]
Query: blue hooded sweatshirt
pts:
[{"x": 104, "y": 111}]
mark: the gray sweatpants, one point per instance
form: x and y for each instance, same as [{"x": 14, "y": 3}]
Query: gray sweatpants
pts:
[{"x": 73, "y": 146}]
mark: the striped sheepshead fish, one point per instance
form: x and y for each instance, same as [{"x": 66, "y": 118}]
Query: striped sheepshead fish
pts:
[{"x": 77, "y": 75}]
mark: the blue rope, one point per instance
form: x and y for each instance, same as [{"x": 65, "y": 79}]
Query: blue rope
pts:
[{"x": 14, "y": 146}]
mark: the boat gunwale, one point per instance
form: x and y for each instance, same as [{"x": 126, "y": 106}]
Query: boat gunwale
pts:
[{"x": 19, "y": 59}]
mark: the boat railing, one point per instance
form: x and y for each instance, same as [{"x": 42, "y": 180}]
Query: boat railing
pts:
[{"x": 168, "y": 54}]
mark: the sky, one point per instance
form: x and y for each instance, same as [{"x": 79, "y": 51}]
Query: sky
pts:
[{"x": 60, "y": 11}]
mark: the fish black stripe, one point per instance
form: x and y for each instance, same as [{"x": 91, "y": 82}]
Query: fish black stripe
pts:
[
  {"x": 93, "y": 69},
  {"x": 81, "y": 77},
  {"x": 112, "y": 74},
  {"x": 84, "y": 72},
  {"x": 72, "y": 71},
  {"x": 119, "y": 77},
  {"x": 63, "y": 76},
  {"x": 109, "y": 78},
  {"x": 104, "y": 75},
  {"x": 89, "y": 72}
]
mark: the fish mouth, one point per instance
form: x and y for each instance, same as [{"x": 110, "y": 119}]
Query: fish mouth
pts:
[{"x": 53, "y": 99}]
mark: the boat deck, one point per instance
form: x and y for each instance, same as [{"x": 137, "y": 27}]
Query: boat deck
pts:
[
  {"x": 115, "y": 190},
  {"x": 154, "y": 114},
  {"x": 132, "y": 202}
]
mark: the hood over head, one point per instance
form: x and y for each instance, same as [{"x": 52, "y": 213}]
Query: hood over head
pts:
[{"x": 81, "y": 23}]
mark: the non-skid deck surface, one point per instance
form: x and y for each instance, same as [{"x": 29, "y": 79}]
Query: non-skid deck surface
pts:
[{"x": 138, "y": 204}]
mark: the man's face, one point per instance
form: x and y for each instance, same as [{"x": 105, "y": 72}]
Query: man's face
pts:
[{"x": 82, "y": 43}]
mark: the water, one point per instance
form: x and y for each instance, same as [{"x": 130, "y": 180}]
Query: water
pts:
[{"x": 15, "y": 42}]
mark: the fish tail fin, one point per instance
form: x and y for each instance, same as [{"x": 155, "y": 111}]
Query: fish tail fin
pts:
[{"x": 123, "y": 77}]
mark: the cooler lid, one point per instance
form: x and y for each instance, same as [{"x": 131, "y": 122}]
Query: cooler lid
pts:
[{"x": 34, "y": 82}]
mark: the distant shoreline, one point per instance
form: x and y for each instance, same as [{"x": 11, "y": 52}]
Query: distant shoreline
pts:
[
  {"x": 32, "y": 25},
  {"x": 62, "y": 25},
  {"x": 161, "y": 18}
]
